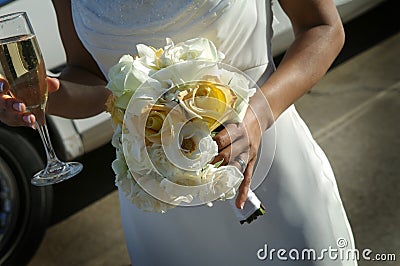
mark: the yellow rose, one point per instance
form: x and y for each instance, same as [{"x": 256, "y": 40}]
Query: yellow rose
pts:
[
  {"x": 208, "y": 100},
  {"x": 117, "y": 115},
  {"x": 154, "y": 123}
]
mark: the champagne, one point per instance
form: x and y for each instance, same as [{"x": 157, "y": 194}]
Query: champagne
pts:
[{"x": 24, "y": 69}]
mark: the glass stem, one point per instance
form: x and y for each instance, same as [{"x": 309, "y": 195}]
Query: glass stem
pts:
[{"x": 50, "y": 154}]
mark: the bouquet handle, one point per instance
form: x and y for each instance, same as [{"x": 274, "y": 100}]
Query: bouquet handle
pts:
[{"x": 251, "y": 210}]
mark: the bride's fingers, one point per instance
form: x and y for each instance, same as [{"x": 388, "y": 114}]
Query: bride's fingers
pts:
[
  {"x": 223, "y": 156},
  {"x": 13, "y": 112},
  {"x": 53, "y": 84},
  {"x": 228, "y": 135},
  {"x": 245, "y": 185},
  {"x": 229, "y": 153}
]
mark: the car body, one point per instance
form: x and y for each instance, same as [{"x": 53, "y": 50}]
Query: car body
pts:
[{"x": 24, "y": 209}]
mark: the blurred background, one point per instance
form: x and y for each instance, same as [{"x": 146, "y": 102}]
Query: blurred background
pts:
[{"x": 353, "y": 113}]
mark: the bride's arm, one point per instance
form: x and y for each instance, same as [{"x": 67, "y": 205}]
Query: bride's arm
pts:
[
  {"x": 319, "y": 37},
  {"x": 82, "y": 91}
]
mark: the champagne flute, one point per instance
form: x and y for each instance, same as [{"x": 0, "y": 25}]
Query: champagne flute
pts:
[{"x": 23, "y": 66}]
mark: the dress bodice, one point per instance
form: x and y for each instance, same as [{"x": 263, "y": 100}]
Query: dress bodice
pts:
[{"x": 240, "y": 29}]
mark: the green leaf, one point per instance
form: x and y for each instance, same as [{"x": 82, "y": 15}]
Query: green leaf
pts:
[{"x": 218, "y": 164}]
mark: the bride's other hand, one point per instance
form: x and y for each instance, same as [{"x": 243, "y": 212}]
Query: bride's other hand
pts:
[
  {"x": 238, "y": 146},
  {"x": 14, "y": 112}
]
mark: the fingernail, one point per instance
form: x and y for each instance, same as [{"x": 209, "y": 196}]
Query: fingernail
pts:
[
  {"x": 17, "y": 107},
  {"x": 1, "y": 87},
  {"x": 28, "y": 118},
  {"x": 242, "y": 205}
]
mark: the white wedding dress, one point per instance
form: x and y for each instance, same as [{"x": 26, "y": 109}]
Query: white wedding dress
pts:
[{"x": 304, "y": 209}]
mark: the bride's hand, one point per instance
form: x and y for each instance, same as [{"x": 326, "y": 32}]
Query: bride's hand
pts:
[
  {"x": 12, "y": 111},
  {"x": 238, "y": 145}
]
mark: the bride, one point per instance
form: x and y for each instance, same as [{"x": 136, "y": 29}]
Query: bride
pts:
[{"x": 305, "y": 217}]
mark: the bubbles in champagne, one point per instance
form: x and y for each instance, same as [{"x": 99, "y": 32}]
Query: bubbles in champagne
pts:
[{"x": 24, "y": 69}]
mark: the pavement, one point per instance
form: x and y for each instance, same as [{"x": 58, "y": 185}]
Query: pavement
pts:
[{"x": 354, "y": 115}]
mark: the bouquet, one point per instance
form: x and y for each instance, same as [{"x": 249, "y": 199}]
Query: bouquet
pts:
[{"x": 166, "y": 106}]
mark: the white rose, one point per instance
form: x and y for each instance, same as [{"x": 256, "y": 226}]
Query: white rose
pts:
[
  {"x": 136, "y": 156},
  {"x": 116, "y": 137},
  {"x": 143, "y": 200},
  {"x": 160, "y": 162},
  {"x": 222, "y": 182},
  {"x": 149, "y": 56},
  {"x": 164, "y": 167},
  {"x": 189, "y": 146},
  {"x": 119, "y": 166},
  {"x": 125, "y": 77},
  {"x": 145, "y": 97},
  {"x": 198, "y": 48}
]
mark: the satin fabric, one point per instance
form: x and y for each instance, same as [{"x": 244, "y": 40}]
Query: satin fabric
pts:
[{"x": 304, "y": 209}]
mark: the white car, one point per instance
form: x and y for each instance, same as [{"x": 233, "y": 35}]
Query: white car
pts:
[{"x": 24, "y": 209}]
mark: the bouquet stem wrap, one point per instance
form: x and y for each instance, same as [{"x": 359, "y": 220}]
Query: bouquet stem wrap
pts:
[{"x": 251, "y": 210}]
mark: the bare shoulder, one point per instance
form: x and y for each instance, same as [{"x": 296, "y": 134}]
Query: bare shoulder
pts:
[{"x": 77, "y": 55}]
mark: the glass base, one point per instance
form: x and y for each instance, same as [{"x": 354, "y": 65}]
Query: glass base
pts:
[{"x": 56, "y": 173}]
